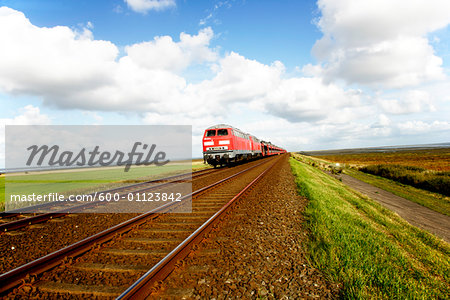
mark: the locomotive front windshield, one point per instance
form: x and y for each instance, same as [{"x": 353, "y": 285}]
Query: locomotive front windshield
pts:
[
  {"x": 222, "y": 132},
  {"x": 210, "y": 133}
]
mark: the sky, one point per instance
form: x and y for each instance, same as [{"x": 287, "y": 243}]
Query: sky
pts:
[{"x": 305, "y": 75}]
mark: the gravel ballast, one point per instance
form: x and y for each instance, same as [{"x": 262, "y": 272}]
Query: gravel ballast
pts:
[{"x": 257, "y": 250}]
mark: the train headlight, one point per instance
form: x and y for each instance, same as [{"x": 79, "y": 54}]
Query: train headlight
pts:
[{"x": 224, "y": 142}]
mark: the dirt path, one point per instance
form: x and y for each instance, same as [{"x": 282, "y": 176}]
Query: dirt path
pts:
[{"x": 414, "y": 213}]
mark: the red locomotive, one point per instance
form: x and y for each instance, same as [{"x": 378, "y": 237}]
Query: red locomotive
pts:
[{"x": 224, "y": 144}]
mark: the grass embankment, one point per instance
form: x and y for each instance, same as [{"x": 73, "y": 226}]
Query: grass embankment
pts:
[{"x": 369, "y": 249}]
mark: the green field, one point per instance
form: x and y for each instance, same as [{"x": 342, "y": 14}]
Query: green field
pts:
[
  {"x": 86, "y": 181},
  {"x": 2, "y": 192},
  {"x": 370, "y": 250}
]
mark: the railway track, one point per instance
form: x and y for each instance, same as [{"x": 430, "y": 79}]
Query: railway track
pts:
[
  {"x": 23, "y": 245},
  {"x": 60, "y": 209},
  {"x": 130, "y": 248}
]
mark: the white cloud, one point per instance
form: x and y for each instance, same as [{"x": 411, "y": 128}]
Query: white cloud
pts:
[
  {"x": 214, "y": 11},
  {"x": 203, "y": 21},
  {"x": 384, "y": 120},
  {"x": 163, "y": 53},
  {"x": 310, "y": 100},
  {"x": 50, "y": 61},
  {"x": 380, "y": 43},
  {"x": 144, "y": 6},
  {"x": 381, "y": 127},
  {"x": 29, "y": 115},
  {"x": 381, "y": 20},
  {"x": 238, "y": 79},
  {"x": 420, "y": 127},
  {"x": 414, "y": 101},
  {"x": 71, "y": 71}
]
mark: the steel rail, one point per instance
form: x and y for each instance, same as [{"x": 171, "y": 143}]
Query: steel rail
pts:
[
  {"x": 140, "y": 289},
  {"x": 18, "y": 275}
]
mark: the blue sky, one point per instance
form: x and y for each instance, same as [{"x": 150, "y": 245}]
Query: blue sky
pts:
[
  {"x": 303, "y": 74},
  {"x": 261, "y": 30}
]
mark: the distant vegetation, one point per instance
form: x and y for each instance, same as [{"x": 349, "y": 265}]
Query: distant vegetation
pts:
[
  {"x": 431, "y": 159},
  {"x": 373, "y": 252},
  {"x": 438, "y": 182},
  {"x": 408, "y": 178},
  {"x": 424, "y": 169}
]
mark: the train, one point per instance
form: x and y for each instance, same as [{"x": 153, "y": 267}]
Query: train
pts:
[{"x": 226, "y": 145}]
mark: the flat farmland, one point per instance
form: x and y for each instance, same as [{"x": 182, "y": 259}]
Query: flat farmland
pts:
[
  {"x": 437, "y": 159},
  {"x": 84, "y": 181},
  {"x": 2, "y": 191}
]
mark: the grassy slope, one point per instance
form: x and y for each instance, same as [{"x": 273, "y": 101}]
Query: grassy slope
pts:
[
  {"x": 372, "y": 251},
  {"x": 431, "y": 200}
]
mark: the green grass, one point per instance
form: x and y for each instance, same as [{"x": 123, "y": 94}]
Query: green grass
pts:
[
  {"x": 2, "y": 192},
  {"x": 369, "y": 249},
  {"x": 199, "y": 165},
  {"x": 431, "y": 200},
  {"x": 85, "y": 181}
]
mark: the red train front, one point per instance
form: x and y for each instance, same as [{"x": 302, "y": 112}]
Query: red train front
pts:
[{"x": 224, "y": 144}]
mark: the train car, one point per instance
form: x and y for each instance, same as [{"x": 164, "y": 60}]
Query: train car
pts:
[
  {"x": 270, "y": 149},
  {"x": 225, "y": 144}
]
